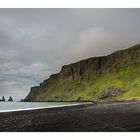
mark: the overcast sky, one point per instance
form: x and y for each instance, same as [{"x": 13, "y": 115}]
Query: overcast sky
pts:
[{"x": 35, "y": 43}]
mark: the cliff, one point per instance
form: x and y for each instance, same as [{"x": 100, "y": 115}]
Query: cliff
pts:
[{"x": 112, "y": 77}]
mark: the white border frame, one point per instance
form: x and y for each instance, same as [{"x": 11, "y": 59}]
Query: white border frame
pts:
[{"x": 69, "y": 4}]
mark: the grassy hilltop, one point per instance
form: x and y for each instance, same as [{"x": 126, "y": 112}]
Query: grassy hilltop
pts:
[{"x": 112, "y": 77}]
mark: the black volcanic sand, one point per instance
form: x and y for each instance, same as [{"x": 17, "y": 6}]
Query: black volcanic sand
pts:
[{"x": 103, "y": 117}]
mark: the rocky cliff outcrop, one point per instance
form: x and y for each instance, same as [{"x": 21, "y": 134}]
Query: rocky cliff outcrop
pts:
[
  {"x": 111, "y": 92},
  {"x": 67, "y": 85}
]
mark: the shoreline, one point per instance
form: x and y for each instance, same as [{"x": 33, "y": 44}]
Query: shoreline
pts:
[
  {"x": 101, "y": 117},
  {"x": 38, "y": 108},
  {"x": 68, "y": 105}
]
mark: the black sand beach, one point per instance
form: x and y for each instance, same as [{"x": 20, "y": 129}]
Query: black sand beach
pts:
[{"x": 103, "y": 117}]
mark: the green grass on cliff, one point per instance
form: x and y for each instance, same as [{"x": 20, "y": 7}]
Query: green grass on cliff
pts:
[{"x": 127, "y": 78}]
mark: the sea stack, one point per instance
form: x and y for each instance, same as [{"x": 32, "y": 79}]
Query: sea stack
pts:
[
  {"x": 3, "y": 98},
  {"x": 10, "y": 99}
]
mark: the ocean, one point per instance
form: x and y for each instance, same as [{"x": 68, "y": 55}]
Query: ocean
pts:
[{"x": 17, "y": 106}]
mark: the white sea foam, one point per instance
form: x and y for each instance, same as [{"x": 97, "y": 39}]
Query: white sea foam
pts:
[{"x": 33, "y": 106}]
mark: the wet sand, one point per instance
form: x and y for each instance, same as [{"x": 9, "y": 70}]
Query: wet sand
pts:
[{"x": 102, "y": 117}]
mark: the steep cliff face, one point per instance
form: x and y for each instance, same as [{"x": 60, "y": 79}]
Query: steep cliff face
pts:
[{"x": 88, "y": 79}]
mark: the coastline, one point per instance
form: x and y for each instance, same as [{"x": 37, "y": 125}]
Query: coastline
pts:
[
  {"x": 100, "y": 117},
  {"x": 38, "y": 108},
  {"x": 65, "y": 105}
]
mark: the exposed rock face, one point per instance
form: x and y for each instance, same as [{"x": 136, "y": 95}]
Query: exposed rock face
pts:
[
  {"x": 86, "y": 70},
  {"x": 111, "y": 92},
  {"x": 95, "y": 65}
]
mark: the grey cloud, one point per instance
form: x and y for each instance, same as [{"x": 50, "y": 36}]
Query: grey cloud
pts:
[{"x": 34, "y": 43}]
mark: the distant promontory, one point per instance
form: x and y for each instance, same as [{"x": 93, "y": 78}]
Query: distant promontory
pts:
[{"x": 112, "y": 77}]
